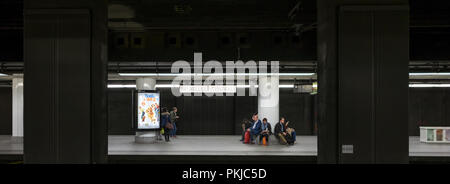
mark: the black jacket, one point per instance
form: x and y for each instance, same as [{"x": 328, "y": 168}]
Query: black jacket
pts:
[
  {"x": 247, "y": 125},
  {"x": 278, "y": 128}
]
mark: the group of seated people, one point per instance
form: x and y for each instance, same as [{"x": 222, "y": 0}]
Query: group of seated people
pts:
[{"x": 260, "y": 130}]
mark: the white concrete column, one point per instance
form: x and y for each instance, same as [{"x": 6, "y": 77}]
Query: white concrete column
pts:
[
  {"x": 268, "y": 99},
  {"x": 146, "y": 83},
  {"x": 17, "y": 107}
]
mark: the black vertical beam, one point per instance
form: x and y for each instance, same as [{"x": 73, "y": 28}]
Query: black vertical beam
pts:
[
  {"x": 391, "y": 40},
  {"x": 327, "y": 82},
  {"x": 65, "y": 116},
  {"x": 99, "y": 81},
  {"x": 363, "y": 81},
  {"x": 356, "y": 92}
]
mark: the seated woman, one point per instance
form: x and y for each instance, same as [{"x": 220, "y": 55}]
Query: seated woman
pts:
[{"x": 266, "y": 131}]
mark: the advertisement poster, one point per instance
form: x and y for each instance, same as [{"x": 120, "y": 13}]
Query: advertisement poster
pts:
[
  {"x": 447, "y": 135},
  {"x": 439, "y": 135},
  {"x": 148, "y": 111},
  {"x": 430, "y": 135}
]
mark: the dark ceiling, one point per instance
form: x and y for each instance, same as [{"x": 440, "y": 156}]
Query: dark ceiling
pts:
[
  {"x": 218, "y": 13},
  {"x": 430, "y": 20},
  {"x": 424, "y": 13}
]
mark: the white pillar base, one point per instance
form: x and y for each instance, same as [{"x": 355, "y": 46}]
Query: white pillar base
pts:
[{"x": 145, "y": 137}]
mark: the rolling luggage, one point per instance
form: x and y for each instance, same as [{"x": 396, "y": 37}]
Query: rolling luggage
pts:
[{"x": 247, "y": 138}]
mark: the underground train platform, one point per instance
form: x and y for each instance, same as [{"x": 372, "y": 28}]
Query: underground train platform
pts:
[{"x": 224, "y": 82}]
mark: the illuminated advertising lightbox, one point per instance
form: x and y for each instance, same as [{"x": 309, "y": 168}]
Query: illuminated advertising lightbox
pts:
[{"x": 148, "y": 110}]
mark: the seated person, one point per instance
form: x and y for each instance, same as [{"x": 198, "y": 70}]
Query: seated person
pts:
[
  {"x": 290, "y": 136},
  {"x": 255, "y": 128},
  {"x": 292, "y": 133},
  {"x": 245, "y": 125},
  {"x": 280, "y": 131},
  {"x": 266, "y": 131}
]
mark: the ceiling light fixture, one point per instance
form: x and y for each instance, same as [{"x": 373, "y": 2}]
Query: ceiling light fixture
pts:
[
  {"x": 210, "y": 74},
  {"x": 177, "y": 86},
  {"x": 424, "y": 74},
  {"x": 429, "y": 85}
]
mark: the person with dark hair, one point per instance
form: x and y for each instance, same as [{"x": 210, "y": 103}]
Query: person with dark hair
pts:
[
  {"x": 174, "y": 117},
  {"x": 280, "y": 131},
  {"x": 245, "y": 125},
  {"x": 266, "y": 131},
  {"x": 255, "y": 128},
  {"x": 284, "y": 133},
  {"x": 166, "y": 123}
]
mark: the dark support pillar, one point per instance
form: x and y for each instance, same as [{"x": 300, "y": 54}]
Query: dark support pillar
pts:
[
  {"x": 327, "y": 82},
  {"x": 363, "y": 55},
  {"x": 65, "y": 106}
]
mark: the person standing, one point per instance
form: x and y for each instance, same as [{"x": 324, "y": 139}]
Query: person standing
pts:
[
  {"x": 166, "y": 124},
  {"x": 174, "y": 117}
]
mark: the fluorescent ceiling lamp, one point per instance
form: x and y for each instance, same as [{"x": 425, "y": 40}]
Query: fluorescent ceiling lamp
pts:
[
  {"x": 429, "y": 85},
  {"x": 139, "y": 74},
  {"x": 280, "y": 86},
  {"x": 210, "y": 74},
  {"x": 121, "y": 86},
  {"x": 134, "y": 86},
  {"x": 296, "y": 74},
  {"x": 177, "y": 86},
  {"x": 170, "y": 74},
  {"x": 422, "y": 74},
  {"x": 166, "y": 86},
  {"x": 279, "y": 74},
  {"x": 2, "y": 74},
  {"x": 286, "y": 86}
]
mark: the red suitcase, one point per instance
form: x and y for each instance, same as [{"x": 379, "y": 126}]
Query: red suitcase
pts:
[{"x": 247, "y": 137}]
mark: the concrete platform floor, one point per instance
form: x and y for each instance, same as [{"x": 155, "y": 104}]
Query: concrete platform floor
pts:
[
  {"x": 11, "y": 145},
  {"x": 419, "y": 149},
  {"x": 221, "y": 145},
  {"x": 210, "y": 145}
]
